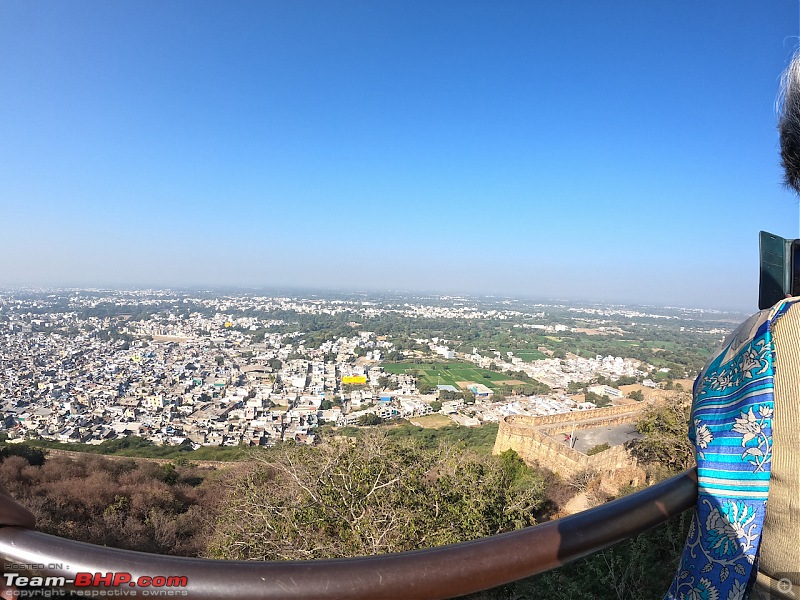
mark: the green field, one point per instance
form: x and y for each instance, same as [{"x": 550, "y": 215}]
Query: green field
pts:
[
  {"x": 526, "y": 355},
  {"x": 448, "y": 373},
  {"x": 432, "y": 421}
]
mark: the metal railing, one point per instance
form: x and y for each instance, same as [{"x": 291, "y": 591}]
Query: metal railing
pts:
[{"x": 443, "y": 572}]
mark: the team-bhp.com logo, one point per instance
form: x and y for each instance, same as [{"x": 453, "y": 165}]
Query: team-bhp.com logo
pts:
[
  {"x": 117, "y": 579},
  {"x": 105, "y": 584}
]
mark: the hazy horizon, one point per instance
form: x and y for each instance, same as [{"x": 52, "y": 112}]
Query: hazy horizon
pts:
[{"x": 373, "y": 294}]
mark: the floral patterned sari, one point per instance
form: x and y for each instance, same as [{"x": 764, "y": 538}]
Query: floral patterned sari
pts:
[{"x": 731, "y": 428}]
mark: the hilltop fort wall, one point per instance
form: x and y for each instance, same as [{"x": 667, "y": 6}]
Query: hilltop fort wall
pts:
[{"x": 533, "y": 439}]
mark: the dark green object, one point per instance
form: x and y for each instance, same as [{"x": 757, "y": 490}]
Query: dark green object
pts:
[{"x": 780, "y": 269}]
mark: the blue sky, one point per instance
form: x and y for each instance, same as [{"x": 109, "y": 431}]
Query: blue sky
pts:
[{"x": 619, "y": 151}]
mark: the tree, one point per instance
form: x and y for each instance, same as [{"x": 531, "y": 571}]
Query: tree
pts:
[
  {"x": 34, "y": 456},
  {"x": 665, "y": 443},
  {"x": 602, "y": 380},
  {"x": 369, "y": 419},
  {"x": 376, "y": 496},
  {"x": 575, "y": 387},
  {"x": 436, "y": 406},
  {"x": 513, "y": 464},
  {"x": 596, "y": 399},
  {"x": 636, "y": 395}
]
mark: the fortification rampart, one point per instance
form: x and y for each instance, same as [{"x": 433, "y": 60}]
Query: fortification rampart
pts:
[
  {"x": 623, "y": 410},
  {"x": 531, "y": 437}
]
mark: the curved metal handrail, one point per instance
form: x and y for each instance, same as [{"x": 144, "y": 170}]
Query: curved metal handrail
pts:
[{"x": 443, "y": 572}]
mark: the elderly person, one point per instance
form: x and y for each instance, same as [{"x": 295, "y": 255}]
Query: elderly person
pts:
[{"x": 745, "y": 425}]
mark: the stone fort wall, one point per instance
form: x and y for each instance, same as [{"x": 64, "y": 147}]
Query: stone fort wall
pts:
[{"x": 532, "y": 438}]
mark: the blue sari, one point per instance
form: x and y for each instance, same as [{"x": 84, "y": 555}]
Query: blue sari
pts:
[{"x": 731, "y": 428}]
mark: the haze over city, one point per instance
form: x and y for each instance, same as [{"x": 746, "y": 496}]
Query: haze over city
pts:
[{"x": 608, "y": 151}]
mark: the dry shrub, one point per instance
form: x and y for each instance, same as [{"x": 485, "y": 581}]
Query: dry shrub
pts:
[
  {"x": 136, "y": 505},
  {"x": 15, "y": 475}
]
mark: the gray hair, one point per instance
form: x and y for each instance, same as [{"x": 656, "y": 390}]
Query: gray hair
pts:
[{"x": 789, "y": 122}]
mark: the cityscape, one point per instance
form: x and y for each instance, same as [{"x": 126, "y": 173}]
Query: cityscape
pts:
[{"x": 232, "y": 369}]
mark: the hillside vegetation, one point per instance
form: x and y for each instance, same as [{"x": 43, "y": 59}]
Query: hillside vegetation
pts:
[
  {"x": 135, "y": 505},
  {"x": 371, "y": 496}
]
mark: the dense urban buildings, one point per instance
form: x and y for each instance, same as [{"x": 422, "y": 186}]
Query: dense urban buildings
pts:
[{"x": 200, "y": 368}]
